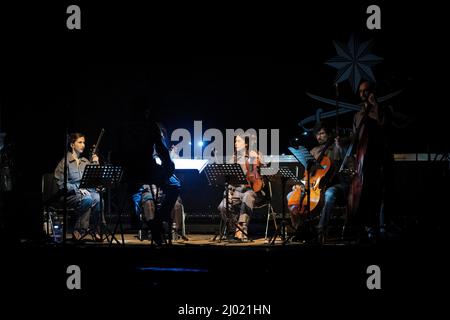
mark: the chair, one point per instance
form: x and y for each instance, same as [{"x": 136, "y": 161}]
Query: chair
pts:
[
  {"x": 270, "y": 212},
  {"x": 265, "y": 202},
  {"x": 156, "y": 193},
  {"x": 53, "y": 207}
]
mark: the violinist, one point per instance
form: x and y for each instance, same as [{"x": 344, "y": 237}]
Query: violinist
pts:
[
  {"x": 335, "y": 190},
  {"x": 374, "y": 163},
  {"x": 82, "y": 200},
  {"x": 242, "y": 198}
]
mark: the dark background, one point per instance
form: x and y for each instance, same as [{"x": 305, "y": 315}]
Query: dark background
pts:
[{"x": 228, "y": 65}]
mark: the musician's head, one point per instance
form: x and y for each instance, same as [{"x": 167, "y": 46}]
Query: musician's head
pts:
[
  {"x": 322, "y": 132},
  {"x": 365, "y": 89},
  {"x": 245, "y": 141},
  {"x": 239, "y": 143},
  {"x": 77, "y": 142}
]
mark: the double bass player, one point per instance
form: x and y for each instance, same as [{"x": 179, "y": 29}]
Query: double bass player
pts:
[{"x": 368, "y": 197}]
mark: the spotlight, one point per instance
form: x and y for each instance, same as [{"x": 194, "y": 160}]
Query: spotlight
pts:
[{"x": 200, "y": 143}]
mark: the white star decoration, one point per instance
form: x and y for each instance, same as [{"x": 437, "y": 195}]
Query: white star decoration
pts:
[{"x": 354, "y": 61}]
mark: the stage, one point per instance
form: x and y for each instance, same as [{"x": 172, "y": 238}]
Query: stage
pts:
[
  {"x": 201, "y": 272},
  {"x": 204, "y": 240}
]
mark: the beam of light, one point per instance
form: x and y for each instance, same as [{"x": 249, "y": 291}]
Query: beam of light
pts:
[{"x": 172, "y": 269}]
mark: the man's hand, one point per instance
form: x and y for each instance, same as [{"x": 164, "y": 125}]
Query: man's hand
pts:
[
  {"x": 85, "y": 192},
  {"x": 94, "y": 158},
  {"x": 372, "y": 100},
  {"x": 337, "y": 141}
]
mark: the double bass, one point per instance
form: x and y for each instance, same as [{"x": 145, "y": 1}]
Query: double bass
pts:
[{"x": 360, "y": 140}]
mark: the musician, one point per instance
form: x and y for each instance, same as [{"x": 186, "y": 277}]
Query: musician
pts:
[
  {"x": 374, "y": 161},
  {"x": 150, "y": 197},
  {"x": 242, "y": 198},
  {"x": 335, "y": 190},
  {"x": 139, "y": 140},
  {"x": 84, "y": 201}
]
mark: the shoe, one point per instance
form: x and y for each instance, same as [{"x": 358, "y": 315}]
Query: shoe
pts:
[
  {"x": 76, "y": 235},
  {"x": 97, "y": 237},
  {"x": 156, "y": 231}
]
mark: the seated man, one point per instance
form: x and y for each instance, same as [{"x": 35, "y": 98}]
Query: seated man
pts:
[{"x": 334, "y": 190}]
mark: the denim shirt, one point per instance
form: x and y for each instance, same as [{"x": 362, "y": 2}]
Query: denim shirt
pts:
[{"x": 75, "y": 172}]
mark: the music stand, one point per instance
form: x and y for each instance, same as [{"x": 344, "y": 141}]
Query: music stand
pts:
[
  {"x": 226, "y": 174},
  {"x": 100, "y": 177},
  {"x": 284, "y": 173}
]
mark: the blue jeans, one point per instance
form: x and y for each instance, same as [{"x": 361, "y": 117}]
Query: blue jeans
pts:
[
  {"x": 83, "y": 205},
  {"x": 170, "y": 192},
  {"x": 333, "y": 194}
]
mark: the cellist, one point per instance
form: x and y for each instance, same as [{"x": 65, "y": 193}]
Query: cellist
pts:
[{"x": 335, "y": 189}]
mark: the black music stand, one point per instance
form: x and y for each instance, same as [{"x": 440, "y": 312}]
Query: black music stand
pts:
[
  {"x": 284, "y": 173},
  {"x": 226, "y": 174},
  {"x": 101, "y": 177}
]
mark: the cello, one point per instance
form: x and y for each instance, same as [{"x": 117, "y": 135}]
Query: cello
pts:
[{"x": 318, "y": 176}]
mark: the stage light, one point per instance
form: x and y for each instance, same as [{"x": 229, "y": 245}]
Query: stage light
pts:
[{"x": 200, "y": 143}]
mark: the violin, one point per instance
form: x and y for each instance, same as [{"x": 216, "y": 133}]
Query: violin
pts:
[{"x": 253, "y": 175}]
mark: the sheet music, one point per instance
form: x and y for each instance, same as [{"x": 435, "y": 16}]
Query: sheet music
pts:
[
  {"x": 192, "y": 164},
  {"x": 303, "y": 156}
]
